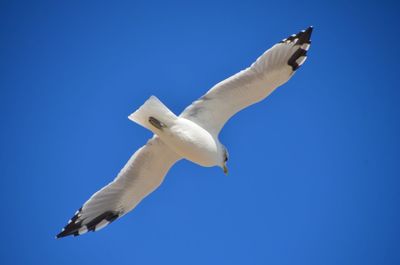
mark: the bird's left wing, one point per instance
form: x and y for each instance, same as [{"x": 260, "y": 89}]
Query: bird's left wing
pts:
[
  {"x": 143, "y": 173},
  {"x": 272, "y": 69}
]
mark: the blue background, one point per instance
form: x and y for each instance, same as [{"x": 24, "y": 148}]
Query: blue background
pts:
[{"x": 314, "y": 169}]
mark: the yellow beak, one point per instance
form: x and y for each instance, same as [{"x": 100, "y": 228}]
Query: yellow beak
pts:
[{"x": 225, "y": 169}]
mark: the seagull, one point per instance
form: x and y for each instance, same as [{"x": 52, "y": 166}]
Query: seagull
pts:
[{"x": 193, "y": 135}]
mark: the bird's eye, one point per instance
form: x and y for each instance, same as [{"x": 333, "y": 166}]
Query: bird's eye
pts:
[{"x": 226, "y": 157}]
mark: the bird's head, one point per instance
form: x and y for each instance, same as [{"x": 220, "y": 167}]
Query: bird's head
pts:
[{"x": 224, "y": 159}]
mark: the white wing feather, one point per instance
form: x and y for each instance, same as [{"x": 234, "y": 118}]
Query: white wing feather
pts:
[
  {"x": 142, "y": 174},
  {"x": 270, "y": 70}
]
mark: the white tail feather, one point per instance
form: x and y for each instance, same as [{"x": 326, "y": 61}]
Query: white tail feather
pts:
[{"x": 153, "y": 107}]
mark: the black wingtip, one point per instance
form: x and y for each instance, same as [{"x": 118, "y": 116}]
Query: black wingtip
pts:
[
  {"x": 69, "y": 230},
  {"x": 302, "y": 37},
  {"x": 72, "y": 227},
  {"x": 76, "y": 228},
  {"x": 307, "y": 34},
  {"x": 62, "y": 234},
  {"x": 309, "y": 31},
  {"x": 302, "y": 40}
]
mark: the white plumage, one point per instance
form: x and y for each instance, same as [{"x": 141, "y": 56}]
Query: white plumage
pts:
[{"x": 193, "y": 135}]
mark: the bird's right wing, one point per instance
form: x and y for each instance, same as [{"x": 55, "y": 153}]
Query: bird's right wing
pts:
[
  {"x": 272, "y": 69},
  {"x": 143, "y": 173}
]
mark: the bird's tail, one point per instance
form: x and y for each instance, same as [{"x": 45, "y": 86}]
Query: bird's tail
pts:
[{"x": 153, "y": 115}]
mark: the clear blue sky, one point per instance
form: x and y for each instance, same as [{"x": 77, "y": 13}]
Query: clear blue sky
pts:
[{"x": 321, "y": 186}]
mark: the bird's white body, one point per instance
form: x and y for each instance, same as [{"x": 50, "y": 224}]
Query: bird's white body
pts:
[
  {"x": 193, "y": 143},
  {"x": 192, "y": 135},
  {"x": 184, "y": 137}
]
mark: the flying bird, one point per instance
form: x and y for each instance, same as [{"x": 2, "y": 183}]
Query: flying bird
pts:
[{"x": 193, "y": 135}]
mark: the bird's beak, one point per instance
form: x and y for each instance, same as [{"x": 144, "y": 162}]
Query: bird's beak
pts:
[{"x": 225, "y": 169}]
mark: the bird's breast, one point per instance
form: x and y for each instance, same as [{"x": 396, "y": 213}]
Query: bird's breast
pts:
[{"x": 192, "y": 142}]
